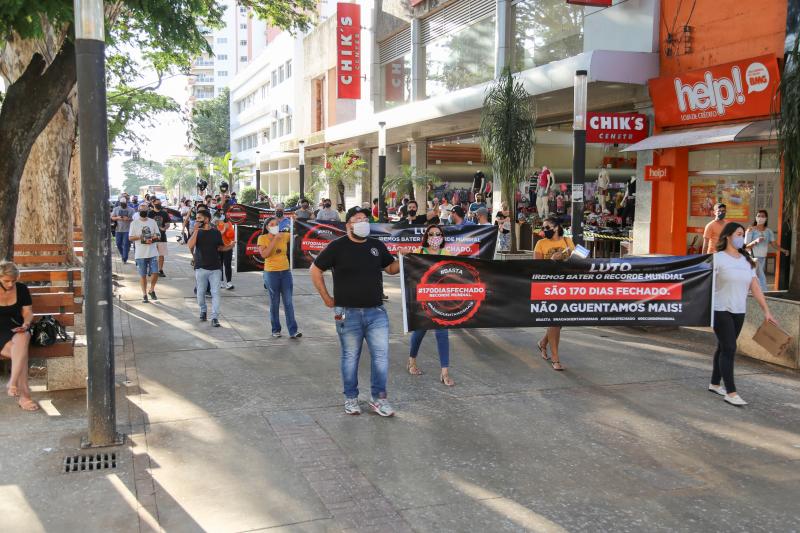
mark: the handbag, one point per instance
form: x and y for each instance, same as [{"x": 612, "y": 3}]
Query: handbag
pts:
[{"x": 47, "y": 331}]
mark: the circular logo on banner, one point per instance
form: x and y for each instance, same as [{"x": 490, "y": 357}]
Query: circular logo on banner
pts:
[
  {"x": 236, "y": 214},
  {"x": 450, "y": 292},
  {"x": 251, "y": 250},
  {"x": 317, "y": 238}
]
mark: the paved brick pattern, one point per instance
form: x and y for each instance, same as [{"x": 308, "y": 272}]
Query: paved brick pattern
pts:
[{"x": 354, "y": 502}]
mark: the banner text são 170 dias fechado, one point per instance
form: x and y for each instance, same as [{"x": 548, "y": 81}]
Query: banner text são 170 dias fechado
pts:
[{"x": 457, "y": 292}]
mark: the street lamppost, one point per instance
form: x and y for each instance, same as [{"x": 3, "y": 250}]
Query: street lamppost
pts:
[
  {"x": 258, "y": 175},
  {"x": 302, "y": 168},
  {"x": 230, "y": 175},
  {"x": 383, "y": 214},
  {"x": 578, "y": 154},
  {"x": 98, "y": 301}
]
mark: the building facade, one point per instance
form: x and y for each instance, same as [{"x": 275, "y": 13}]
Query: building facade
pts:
[{"x": 234, "y": 46}]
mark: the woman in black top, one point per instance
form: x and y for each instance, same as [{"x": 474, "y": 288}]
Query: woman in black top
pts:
[{"x": 16, "y": 315}]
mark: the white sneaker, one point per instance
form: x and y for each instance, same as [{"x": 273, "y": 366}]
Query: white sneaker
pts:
[
  {"x": 381, "y": 406},
  {"x": 735, "y": 400},
  {"x": 221, "y": 284},
  {"x": 719, "y": 389},
  {"x": 229, "y": 285},
  {"x": 351, "y": 406}
]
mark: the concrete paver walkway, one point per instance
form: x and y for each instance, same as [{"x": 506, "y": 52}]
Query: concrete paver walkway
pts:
[{"x": 231, "y": 430}]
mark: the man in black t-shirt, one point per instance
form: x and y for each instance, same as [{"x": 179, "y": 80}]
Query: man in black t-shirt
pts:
[
  {"x": 357, "y": 263},
  {"x": 413, "y": 218},
  {"x": 162, "y": 220},
  {"x": 206, "y": 244}
]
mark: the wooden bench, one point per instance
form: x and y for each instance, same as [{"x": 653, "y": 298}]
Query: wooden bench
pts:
[
  {"x": 40, "y": 254},
  {"x": 59, "y": 295},
  {"x": 77, "y": 241}
]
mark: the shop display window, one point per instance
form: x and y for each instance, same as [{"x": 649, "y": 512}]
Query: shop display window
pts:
[{"x": 396, "y": 81}]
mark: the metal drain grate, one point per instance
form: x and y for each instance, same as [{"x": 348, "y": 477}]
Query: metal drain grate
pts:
[{"x": 86, "y": 463}]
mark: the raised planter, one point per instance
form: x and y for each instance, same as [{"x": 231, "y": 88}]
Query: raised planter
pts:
[{"x": 787, "y": 313}]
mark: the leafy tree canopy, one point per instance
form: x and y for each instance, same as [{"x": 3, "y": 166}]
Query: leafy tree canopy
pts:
[
  {"x": 141, "y": 172},
  {"x": 210, "y": 129}
]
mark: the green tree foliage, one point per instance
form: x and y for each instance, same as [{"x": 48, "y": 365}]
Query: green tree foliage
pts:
[
  {"x": 788, "y": 125},
  {"x": 210, "y": 129},
  {"x": 338, "y": 172},
  {"x": 248, "y": 195},
  {"x": 408, "y": 180},
  {"x": 179, "y": 173},
  {"x": 141, "y": 172},
  {"x": 292, "y": 200},
  {"x": 221, "y": 165},
  {"x": 508, "y": 122}
]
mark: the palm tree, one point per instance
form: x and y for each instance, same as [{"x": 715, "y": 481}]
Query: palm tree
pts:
[
  {"x": 179, "y": 176},
  {"x": 409, "y": 179},
  {"x": 339, "y": 171},
  {"x": 221, "y": 166},
  {"x": 508, "y": 121}
]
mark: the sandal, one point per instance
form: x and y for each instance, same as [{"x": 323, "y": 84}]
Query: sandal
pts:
[
  {"x": 543, "y": 351},
  {"x": 12, "y": 391},
  {"x": 558, "y": 368},
  {"x": 413, "y": 369},
  {"x": 446, "y": 380},
  {"x": 26, "y": 404}
]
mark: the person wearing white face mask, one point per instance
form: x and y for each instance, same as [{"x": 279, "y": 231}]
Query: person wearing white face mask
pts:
[
  {"x": 357, "y": 262},
  {"x": 273, "y": 246},
  {"x": 759, "y": 239},
  {"x": 734, "y": 275}
]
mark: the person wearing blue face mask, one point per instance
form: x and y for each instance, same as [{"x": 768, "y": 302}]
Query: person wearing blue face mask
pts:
[{"x": 734, "y": 275}]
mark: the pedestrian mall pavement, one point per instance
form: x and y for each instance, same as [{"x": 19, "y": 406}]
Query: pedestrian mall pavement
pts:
[{"x": 230, "y": 430}]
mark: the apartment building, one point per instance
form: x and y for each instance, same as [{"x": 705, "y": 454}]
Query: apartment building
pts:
[{"x": 234, "y": 46}]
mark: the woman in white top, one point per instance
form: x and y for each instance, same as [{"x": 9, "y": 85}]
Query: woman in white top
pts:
[
  {"x": 734, "y": 275},
  {"x": 758, "y": 240}
]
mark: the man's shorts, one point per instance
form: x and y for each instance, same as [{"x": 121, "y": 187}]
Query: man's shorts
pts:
[
  {"x": 162, "y": 248},
  {"x": 147, "y": 266}
]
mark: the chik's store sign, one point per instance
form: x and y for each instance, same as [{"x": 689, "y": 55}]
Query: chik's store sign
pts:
[
  {"x": 738, "y": 90},
  {"x": 615, "y": 128},
  {"x": 348, "y": 51}
]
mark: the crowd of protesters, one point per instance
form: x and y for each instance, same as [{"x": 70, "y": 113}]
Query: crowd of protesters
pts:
[{"x": 357, "y": 263}]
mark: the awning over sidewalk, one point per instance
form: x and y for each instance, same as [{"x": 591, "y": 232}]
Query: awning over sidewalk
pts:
[{"x": 761, "y": 130}]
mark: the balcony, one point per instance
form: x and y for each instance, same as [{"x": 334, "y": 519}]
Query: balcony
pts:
[
  {"x": 203, "y": 63},
  {"x": 204, "y": 80}
]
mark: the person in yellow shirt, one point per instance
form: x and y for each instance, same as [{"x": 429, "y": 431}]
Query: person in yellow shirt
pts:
[
  {"x": 273, "y": 246},
  {"x": 558, "y": 248}
]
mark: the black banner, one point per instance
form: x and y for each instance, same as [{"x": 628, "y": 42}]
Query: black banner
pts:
[
  {"x": 249, "y": 221},
  {"x": 472, "y": 293},
  {"x": 311, "y": 237}
]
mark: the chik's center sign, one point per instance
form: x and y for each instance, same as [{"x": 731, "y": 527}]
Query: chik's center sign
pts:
[
  {"x": 348, "y": 51},
  {"x": 738, "y": 90},
  {"x": 615, "y": 128}
]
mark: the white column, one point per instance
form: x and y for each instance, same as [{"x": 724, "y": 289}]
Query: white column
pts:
[
  {"x": 417, "y": 61},
  {"x": 502, "y": 57}
]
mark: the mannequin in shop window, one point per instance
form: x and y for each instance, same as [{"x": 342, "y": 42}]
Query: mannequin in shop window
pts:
[
  {"x": 545, "y": 183},
  {"x": 603, "y": 182},
  {"x": 629, "y": 201}
]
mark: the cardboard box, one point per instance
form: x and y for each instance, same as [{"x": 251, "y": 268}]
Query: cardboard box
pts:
[{"x": 773, "y": 339}]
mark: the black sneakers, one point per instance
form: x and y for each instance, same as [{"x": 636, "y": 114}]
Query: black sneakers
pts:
[
  {"x": 215, "y": 323},
  {"x": 153, "y": 295},
  {"x": 203, "y": 317}
]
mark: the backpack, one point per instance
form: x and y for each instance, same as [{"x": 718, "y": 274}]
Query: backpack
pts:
[{"x": 47, "y": 331}]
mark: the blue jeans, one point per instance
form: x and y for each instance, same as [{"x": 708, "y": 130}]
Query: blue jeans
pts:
[
  {"x": 281, "y": 285},
  {"x": 123, "y": 244},
  {"x": 370, "y": 324},
  {"x": 147, "y": 267},
  {"x": 203, "y": 278},
  {"x": 442, "y": 343},
  {"x": 762, "y": 277}
]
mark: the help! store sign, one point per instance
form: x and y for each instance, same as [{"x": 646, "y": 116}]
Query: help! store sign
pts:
[
  {"x": 738, "y": 90},
  {"x": 348, "y": 51},
  {"x": 615, "y": 128}
]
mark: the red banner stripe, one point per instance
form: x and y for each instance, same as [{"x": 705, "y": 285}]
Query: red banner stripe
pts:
[{"x": 606, "y": 291}]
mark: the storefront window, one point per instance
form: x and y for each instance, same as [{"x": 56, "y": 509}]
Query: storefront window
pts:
[
  {"x": 545, "y": 31},
  {"x": 396, "y": 81},
  {"x": 745, "y": 179},
  {"x": 460, "y": 59}
]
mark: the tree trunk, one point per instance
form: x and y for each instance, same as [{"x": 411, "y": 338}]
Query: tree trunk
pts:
[
  {"x": 794, "y": 269},
  {"x": 44, "y": 208},
  {"x": 508, "y": 194},
  {"x": 31, "y": 101},
  {"x": 76, "y": 200}
]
